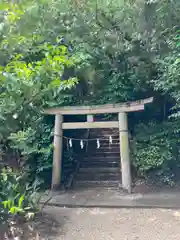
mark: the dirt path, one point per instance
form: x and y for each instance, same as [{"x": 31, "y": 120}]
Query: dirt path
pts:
[{"x": 110, "y": 224}]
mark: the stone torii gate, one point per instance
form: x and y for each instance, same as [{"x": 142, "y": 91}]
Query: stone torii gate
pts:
[{"x": 121, "y": 124}]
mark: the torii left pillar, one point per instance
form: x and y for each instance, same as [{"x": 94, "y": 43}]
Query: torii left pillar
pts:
[{"x": 57, "y": 156}]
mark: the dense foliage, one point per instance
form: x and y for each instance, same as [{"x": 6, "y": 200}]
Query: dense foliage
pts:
[
  {"x": 156, "y": 151},
  {"x": 131, "y": 51},
  {"x": 31, "y": 78},
  {"x": 19, "y": 201},
  {"x": 87, "y": 52}
]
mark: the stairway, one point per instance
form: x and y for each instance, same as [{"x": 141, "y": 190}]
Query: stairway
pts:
[{"x": 100, "y": 167}]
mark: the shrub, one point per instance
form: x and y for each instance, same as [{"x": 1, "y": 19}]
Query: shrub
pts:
[
  {"x": 155, "y": 150},
  {"x": 19, "y": 198}
]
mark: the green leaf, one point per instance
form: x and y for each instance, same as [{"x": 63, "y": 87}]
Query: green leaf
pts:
[
  {"x": 13, "y": 210},
  {"x": 20, "y": 202},
  {"x": 5, "y": 204},
  {"x": 56, "y": 83},
  {"x": 10, "y": 203}
]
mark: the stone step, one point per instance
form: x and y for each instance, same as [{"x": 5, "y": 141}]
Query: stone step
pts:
[
  {"x": 103, "y": 138},
  {"x": 103, "y": 143},
  {"x": 100, "y": 170},
  {"x": 106, "y": 150},
  {"x": 107, "y": 144},
  {"x": 96, "y": 184},
  {"x": 103, "y": 154},
  {"x": 99, "y": 155},
  {"x": 100, "y": 151},
  {"x": 100, "y": 167},
  {"x": 101, "y": 158},
  {"x": 97, "y": 176},
  {"x": 101, "y": 162},
  {"x": 108, "y": 163},
  {"x": 103, "y": 165}
]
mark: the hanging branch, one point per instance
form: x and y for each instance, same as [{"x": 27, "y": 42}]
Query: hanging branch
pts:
[{"x": 113, "y": 25}]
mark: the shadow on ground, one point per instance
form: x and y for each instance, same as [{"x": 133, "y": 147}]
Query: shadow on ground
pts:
[
  {"x": 44, "y": 227},
  {"x": 48, "y": 227}
]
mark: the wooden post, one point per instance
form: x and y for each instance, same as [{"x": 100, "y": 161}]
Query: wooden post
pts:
[
  {"x": 124, "y": 152},
  {"x": 57, "y": 156}
]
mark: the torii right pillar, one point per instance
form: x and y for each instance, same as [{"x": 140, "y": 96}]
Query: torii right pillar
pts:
[{"x": 125, "y": 152}]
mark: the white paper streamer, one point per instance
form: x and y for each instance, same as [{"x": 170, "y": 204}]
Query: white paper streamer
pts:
[
  {"x": 82, "y": 144},
  {"x": 98, "y": 143},
  {"x": 70, "y": 142},
  {"x": 110, "y": 140},
  {"x": 15, "y": 116}
]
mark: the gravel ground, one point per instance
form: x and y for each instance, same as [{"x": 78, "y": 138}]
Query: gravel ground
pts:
[{"x": 110, "y": 224}]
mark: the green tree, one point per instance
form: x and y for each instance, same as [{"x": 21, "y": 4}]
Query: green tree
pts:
[
  {"x": 121, "y": 50},
  {"x": 31, "y": 78}
]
